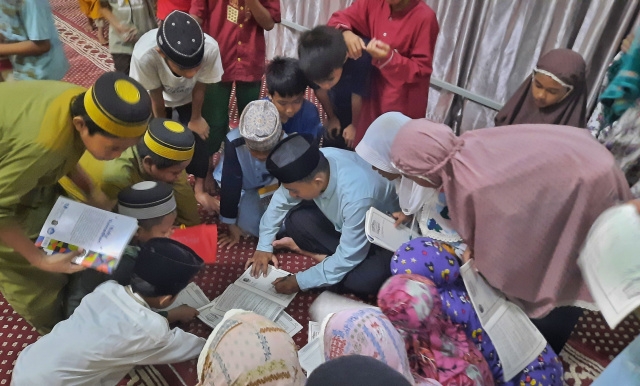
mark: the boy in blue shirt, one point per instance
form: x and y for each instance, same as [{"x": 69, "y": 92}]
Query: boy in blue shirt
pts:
[
  {"x": 286, "y": 85},
  {"x": 340, "y": 83},
  {"x": 245, "y": 183},
  {"x": 337, "y": 188},
  {"x": 30, "y": 40}
]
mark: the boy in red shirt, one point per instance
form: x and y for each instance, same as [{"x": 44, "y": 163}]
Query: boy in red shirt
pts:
[
  {"x": 165, "y": 7},
  {"x": 238, "y": 26},
  {"x": 403, "y": 37}
]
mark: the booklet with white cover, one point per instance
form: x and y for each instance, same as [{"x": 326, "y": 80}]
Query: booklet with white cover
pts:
[
  {"x": 610, "y": 263},
  {"x": 73, "y": 225},
  {"x": 381, "y": 230},
  {"x": 516, "y": 339}
]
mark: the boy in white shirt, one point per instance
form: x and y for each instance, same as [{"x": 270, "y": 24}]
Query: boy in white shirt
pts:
[
  {"x": 175, "y": 63},
  {"x": 115, "y": 329}
]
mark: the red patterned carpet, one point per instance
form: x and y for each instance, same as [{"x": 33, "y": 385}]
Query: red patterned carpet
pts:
[{"x": 591, "y": 347}]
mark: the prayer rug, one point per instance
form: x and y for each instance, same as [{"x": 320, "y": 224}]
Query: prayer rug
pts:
[{"x": 590, "y": 349}]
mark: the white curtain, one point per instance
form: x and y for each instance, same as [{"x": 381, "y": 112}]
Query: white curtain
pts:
[{"x": 489, "y": 47}]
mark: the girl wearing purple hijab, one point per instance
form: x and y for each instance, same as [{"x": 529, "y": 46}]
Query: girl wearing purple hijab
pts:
[
  {"x": 556, "y": 94},
  {"x": 437, "y": 262},
  {"x": 523, "y": 200}
]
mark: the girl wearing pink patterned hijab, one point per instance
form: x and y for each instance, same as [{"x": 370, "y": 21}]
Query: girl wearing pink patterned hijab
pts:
[
  {"x": 364, "y": 331},
  {"x": 436, "y": 348},
  {"x": 523, "y": 200},
  {"x": 248, "y": 349}
]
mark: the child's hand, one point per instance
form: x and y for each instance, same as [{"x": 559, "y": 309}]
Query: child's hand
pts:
[
  {"x": 378, "y": 49},
  {"x": 349, "y": 135},
  {"x": 467, "y": 255},
  {"x": 333, "y": 127},
  {"x": 131, "y": 35},
  {"x": 182, "y": 314},
  {"x": 635, "y": 203},
  {"x": 98, "y": 199},
  {"x": 354, "y": 43},
  {"x": 400, "y": 217},
  {"x": 127, "y": 32},
  {"x": 59, "y": 262},
  {"x": 200, "y": 127},
  {"x": 208, "y": 202},
  {"x": 231, "y": 238}
]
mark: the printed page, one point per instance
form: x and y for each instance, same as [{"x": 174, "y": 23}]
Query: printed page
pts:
[
  {"x": 310, "y": 356},
  {"x": 103, "y": 235},
  {"x": 516, "y": 339},
  {"x": 314, "y": 331},
  {"x": 288, "y": 323},
  {"x": 192, "y": 296},
  {"x": 240, "y": 298},
  {"x": 262, "y": 285},
  {"x": 610, "y": 265},
  {"x": 381, "y": 230},
  {"x": 209, "y": 315}
]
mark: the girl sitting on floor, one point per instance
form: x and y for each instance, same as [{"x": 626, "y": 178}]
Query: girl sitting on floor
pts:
[{"x": 436, "y": 261}]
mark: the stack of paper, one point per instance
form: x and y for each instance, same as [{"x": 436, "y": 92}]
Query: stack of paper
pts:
[
  {"x": 247, "y": 293},
  {"x": 310, "y": 356}
]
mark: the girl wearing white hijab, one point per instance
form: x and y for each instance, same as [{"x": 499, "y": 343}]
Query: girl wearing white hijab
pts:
[{"x": 427, "y": 205}]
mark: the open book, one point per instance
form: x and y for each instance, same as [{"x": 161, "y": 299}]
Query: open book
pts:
[
  {"x": 610, "y": 264},
  {"x": 103, "y": 235},
  {"x": 516, "y": 339},
  {"x": 381, "y": 230},
  {"x": 193, "y": 296},
  {"x": 252, "y": 294}
]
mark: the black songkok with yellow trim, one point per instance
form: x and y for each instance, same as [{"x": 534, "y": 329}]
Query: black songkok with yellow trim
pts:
[
  {"x": 167, "y": 265},
  {"x": 293, "y": 159},
  {"x": 146, "y": 200},
  {"x": 181, "y": 39},
  {"x": 119, "y": 105},
  {"x": 170, "y": 139}
]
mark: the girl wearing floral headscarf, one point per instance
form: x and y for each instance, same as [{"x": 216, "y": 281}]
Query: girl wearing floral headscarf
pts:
[
  {"x": 523, "y": 200},
  {"x": 437, "y": 262},
  {"x": 436, "y": 347},
  {"x": 364, "y": 331},
  {"x": 248, "y": 349}
]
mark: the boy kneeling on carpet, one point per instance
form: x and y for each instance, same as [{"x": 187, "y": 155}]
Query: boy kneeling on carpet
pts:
[
  {"x": 153, "y": 204},
  {"x": 115, "y": 329}
]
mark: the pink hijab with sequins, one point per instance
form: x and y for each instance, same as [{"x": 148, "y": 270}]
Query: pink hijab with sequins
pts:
[{"x": 522, "y": 197}]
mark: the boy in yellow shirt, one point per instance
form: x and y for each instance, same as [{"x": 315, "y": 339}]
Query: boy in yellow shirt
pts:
[{"x": 45, "y": 126}]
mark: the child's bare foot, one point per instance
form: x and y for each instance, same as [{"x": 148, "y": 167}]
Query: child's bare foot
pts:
[
  {"x": 101, "y": 39},
  {"x": 88, "y": 25},
  {"x": 286, "y": 243}
]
